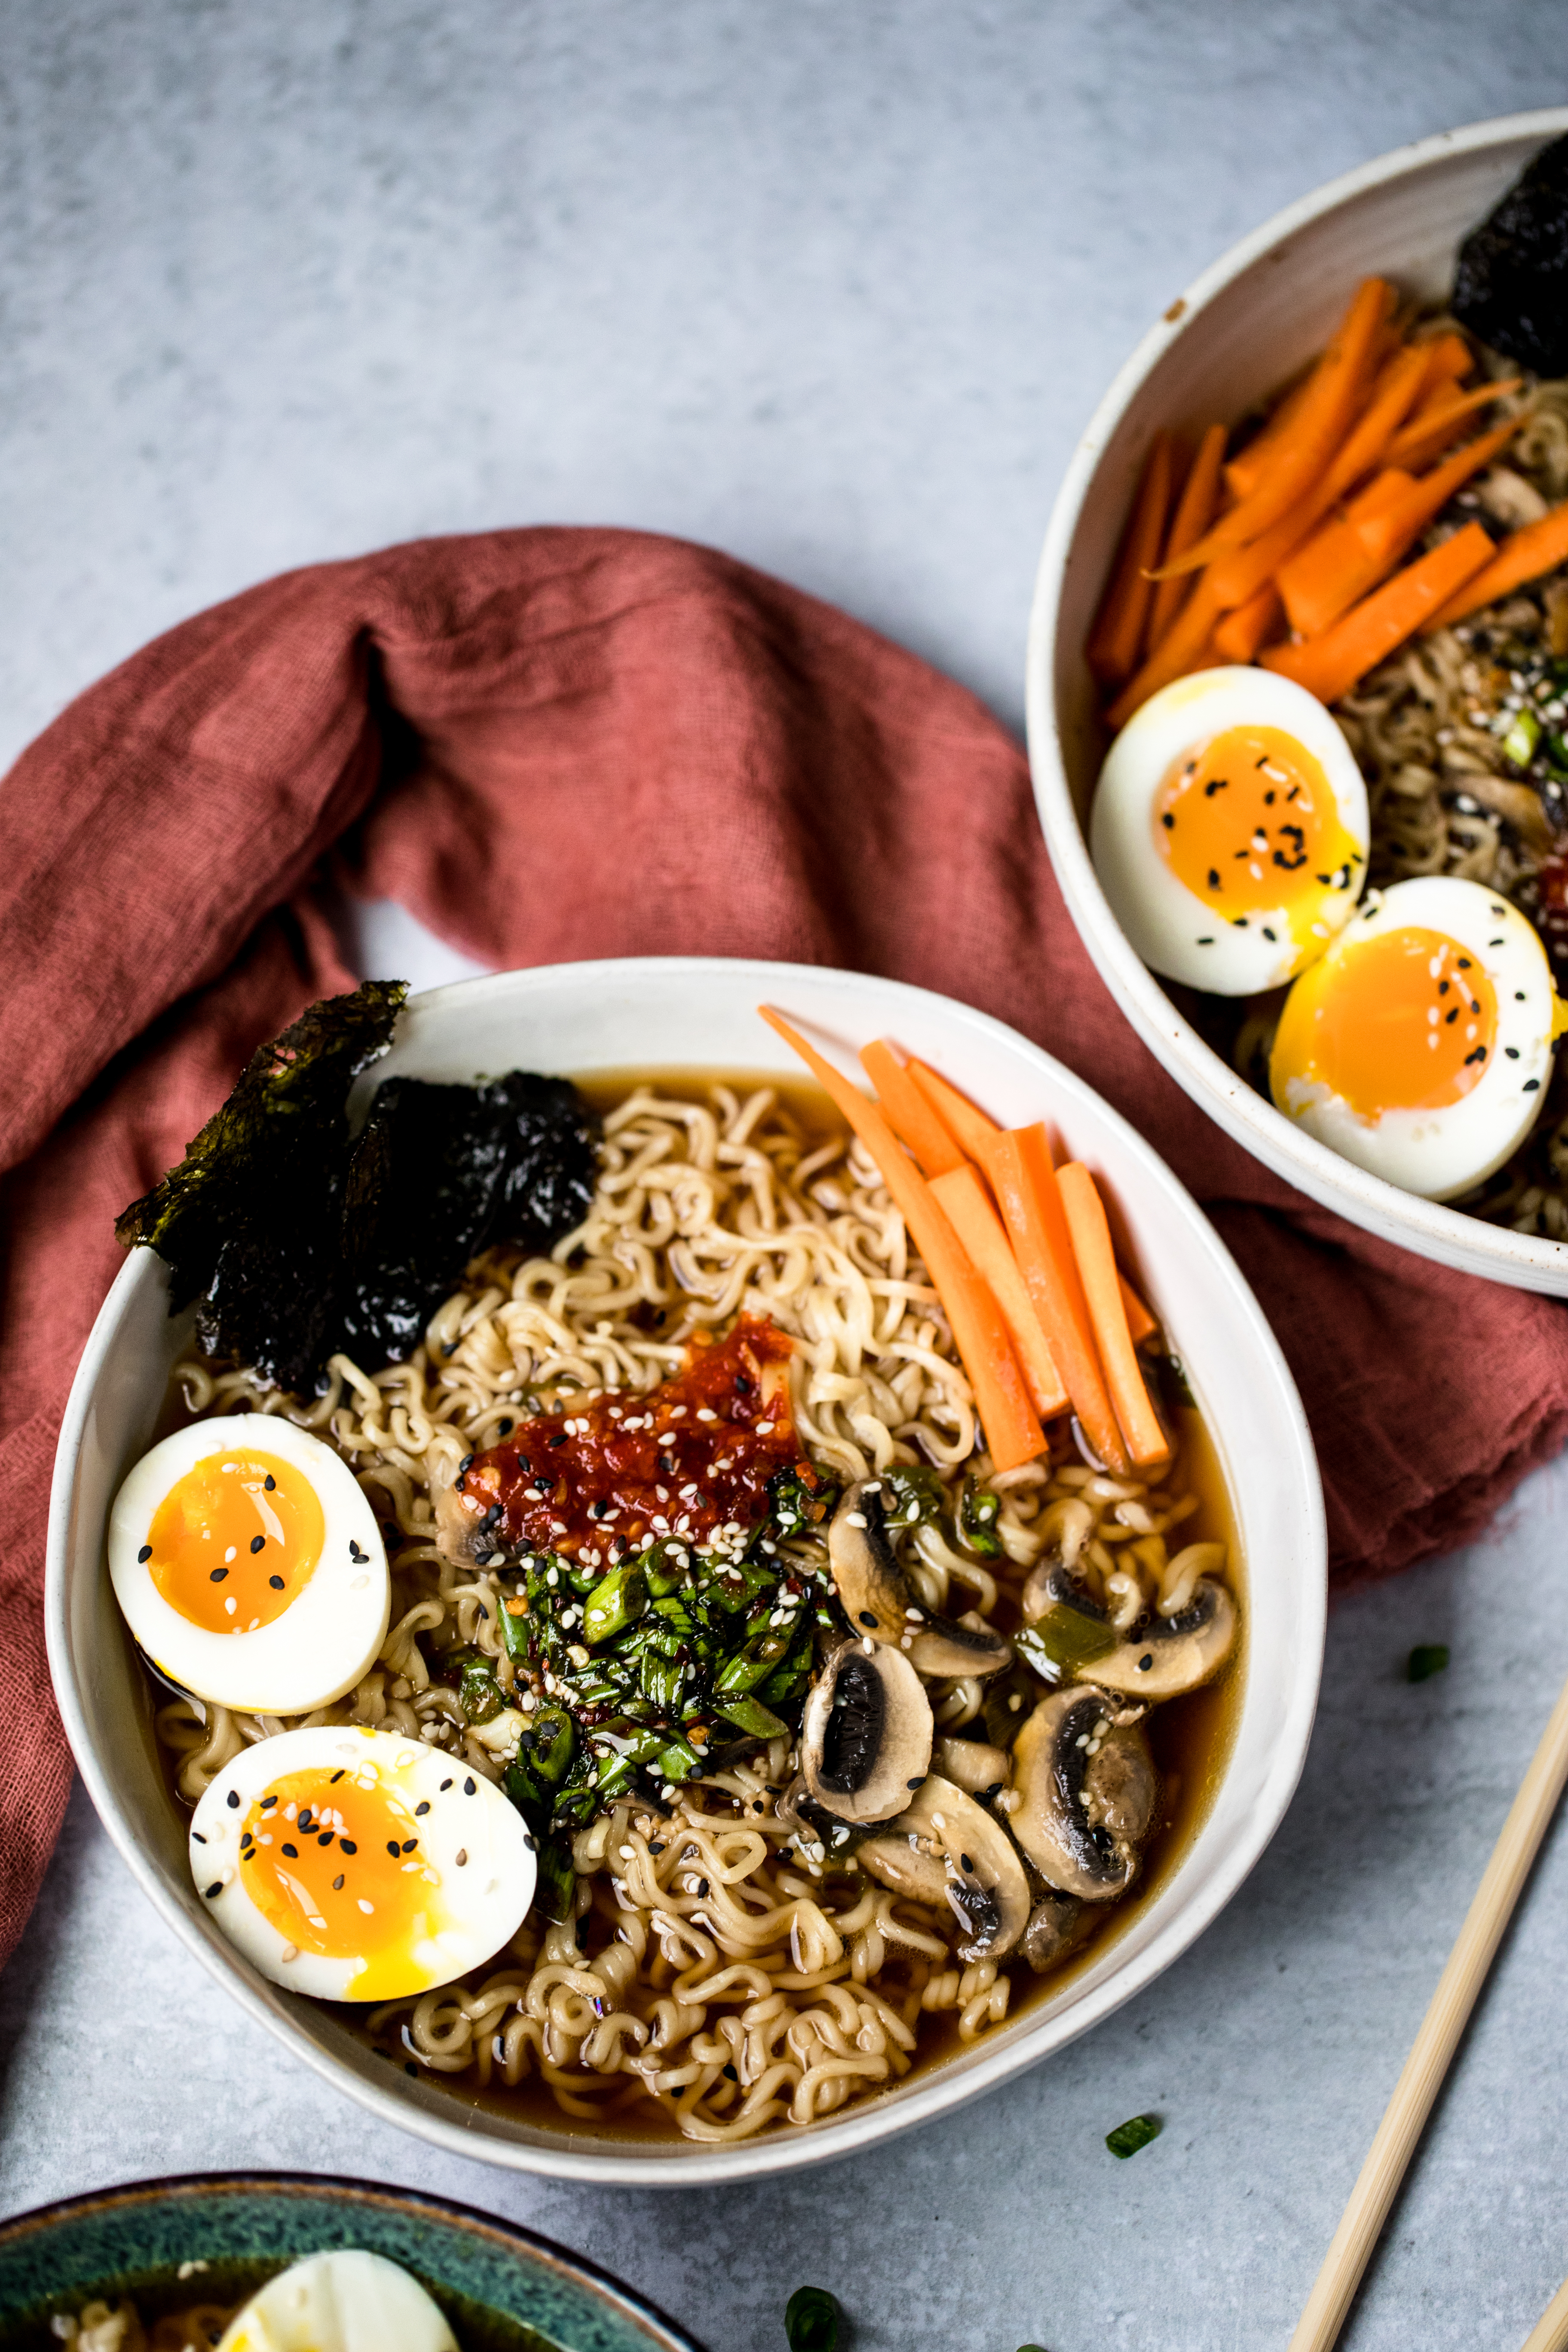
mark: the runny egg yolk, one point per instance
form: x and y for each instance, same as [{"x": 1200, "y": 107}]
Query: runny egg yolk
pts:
[
  {"x": 1249, "y": 823},
  {"x": 333, "y": 1861},
  {"x": 236, "y": 1540},
  {"x": 1403, "y": 1021}
]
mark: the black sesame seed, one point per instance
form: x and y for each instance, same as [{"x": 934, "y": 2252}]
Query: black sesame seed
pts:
[
  {"x": 325, "y": 1838},
  {"x": 276, "y": 1583},
  {"x": 1531, "y": 1085},
  {"x": 964, "y": 1858},
  {"x": 259, "y": 1543},
  {"x": 1145, "y": 1662},
  {"x": 338, "y": 1883},
  {"x": 556, "y": 1441},
  {"x": 913, "y": 1784},
  {"x": 446, "y": 1784},
  {"x": 145, "y": 1553},
  {"x": 656, "y": 1845},
  {"x": 269, "y": 1482},
  {"x": 234, "y": 1800},
  {"x": 1168, "y": 821},
  {"x": 1267, "y": 932},
  {"x": 215, "y": 1889},
  {"x": 1512, "y": 1052},
  {"x": 217, "y": 1575},
  {"x": 1518, "y": 996},
  {"x": 866, "y": 1618},
  {"x": 268, "y": 1803},
  {"x": 505, "y": 1428},
  {"x": 1206, "y": 942},
  {"x": 468, "y": 1786},
  {"x": 703, "y": 1888},
  {"x": 198, "y": 1837},
  {"x": 348, "y": 1845},
  {"x": 391, "y": 1847},
  {"x": 423, "y": 1806},
  {"x": 532, "y": 1843},
  {"x": 409, "y": 1844},
  {"x": 292, "y": 1851}
]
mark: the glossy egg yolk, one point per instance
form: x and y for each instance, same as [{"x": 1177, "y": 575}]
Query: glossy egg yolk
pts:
[
  {"x": 1405, "y": 1019},
  {"x": 1249, "y": 822},
  {"x": 236, "y": 1540},
  {"x": 333, "y": 1861}
]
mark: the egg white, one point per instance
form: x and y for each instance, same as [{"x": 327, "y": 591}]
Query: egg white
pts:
[
  {"x": 1174, "y": 931},
  {"x": 344, "y": 2300},
  {"x": 319, "y": 1646},
  {"x": 485, "y": 1895},
  {"x": 1443, "y": 1152}
]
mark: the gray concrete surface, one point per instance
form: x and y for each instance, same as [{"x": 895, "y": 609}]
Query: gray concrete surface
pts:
[{"x": 833, "y": 286}]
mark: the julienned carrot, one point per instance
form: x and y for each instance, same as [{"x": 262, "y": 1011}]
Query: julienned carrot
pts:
[
  {"x": 979, "y": 1228},
  {"x": 1085, "y": 1213},
  {"x": 970, "y": 1128},
  {"x": 1013, "y": 1435},
  {"x": 1342, "y": 565},
  {"x": 1523, "y": 556},
  {"x": 1392, "y": 397},
  {"x": 1018, "y": 1164},
  {"x": 1432, "y": 428},
  {"x": 1141, "y": 1324},
  {"x": 1241, "y": 633},
  {"x": 1180, "y": 650},
  {"x": 1244, "y": 471},
  {"x": 1330, "y": 666},
  {"x": 913, "y": 1118},
  {"x": 1117, "y": 638},
  {"x": 1447, "y": 357},
  {"x": 1194, "y": 512},
  {"x": 1306, "y": 448}
]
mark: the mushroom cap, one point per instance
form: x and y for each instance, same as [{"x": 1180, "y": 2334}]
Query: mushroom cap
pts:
[
  {"x": 880, "y": 1604},
  {"x": 866, "y": 1733},
  {"x": 1181, "y": 1652},
  {"x": 945, "y": 1848},
  {"x": 1055, "y": 1927},
  {"x": 1083, "y": 1816}
]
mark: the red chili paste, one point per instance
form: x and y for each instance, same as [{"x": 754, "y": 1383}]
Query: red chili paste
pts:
[{"x": 686, "y": 1459}]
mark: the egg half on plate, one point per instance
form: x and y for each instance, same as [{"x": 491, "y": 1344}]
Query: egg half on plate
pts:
[
  {"x": 249, "y": 1566},
  {"x": 1420, "y": 1046},
  {"x": 359, "y": 1865},
  {"x": 344, "y": 2300},
  {"x": 1229, "y": 830}
]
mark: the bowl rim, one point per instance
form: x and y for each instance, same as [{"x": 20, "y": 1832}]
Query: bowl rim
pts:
[
  {"x": 1429, "y": 1228},
  {"x": 645, "y": 2164},
  {"x": 418, "y": 2204}
]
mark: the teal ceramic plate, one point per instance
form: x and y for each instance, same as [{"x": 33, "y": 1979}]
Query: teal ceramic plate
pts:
[{"x": 501, "y": 2289}]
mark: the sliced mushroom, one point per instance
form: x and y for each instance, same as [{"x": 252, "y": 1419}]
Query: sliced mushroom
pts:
[
  {"x": 1172, "y": 1654},
  {"x": 974, "y": 1765},
  {"x": 1056, "y": 1928},
  {"x": 881, "y": 1602},
  {"x": 1067, "y": 1623},
  {"x": 865, "y": 1733},
  {"x": 817, "y": 1828},
  {"x": 1087, "y": 1786},
  {"x": 947, "y": 1849}
]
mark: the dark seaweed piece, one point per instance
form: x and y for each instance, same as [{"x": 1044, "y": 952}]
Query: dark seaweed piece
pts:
[
  {"x": 248, "y": 1219},
  {"x": 1510, "y": 287},
  {"x": 441, "y": 1172}
]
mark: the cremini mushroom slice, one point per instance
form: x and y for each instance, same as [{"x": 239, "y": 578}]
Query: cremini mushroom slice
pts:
[
  {"x": 1057, "y": 1925},
  {"x": 1086, "y": 1785},
  {"x": 974, "y": 1765},
  {"x": 1172, "y": 1654},
  {"x": 865, "y": 1733},
  {"x": 946, "y": 1848},
  {"x": 881, "y": 1602}
]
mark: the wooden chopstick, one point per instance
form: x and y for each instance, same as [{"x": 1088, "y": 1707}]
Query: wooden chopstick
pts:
[
  {"x": 1435, "y": 2045},
  {"x": 1550, "y": 2333}
]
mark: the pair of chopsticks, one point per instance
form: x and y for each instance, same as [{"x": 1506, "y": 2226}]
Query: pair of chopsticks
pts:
[{"x": 1433, "y": 2052}]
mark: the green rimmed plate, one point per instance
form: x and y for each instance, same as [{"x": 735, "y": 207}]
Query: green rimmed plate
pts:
[{"x": 502, "y": 2289}]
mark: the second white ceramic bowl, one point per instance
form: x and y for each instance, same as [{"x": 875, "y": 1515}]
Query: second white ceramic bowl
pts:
[
  {"x": 700, "y": 1014},
  {"x": 1245, "y": 326}
]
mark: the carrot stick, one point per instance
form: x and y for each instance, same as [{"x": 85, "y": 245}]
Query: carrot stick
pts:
[
  {"x": 913, "y": 1118},
  {"x": 1246, "y": 470},
  {"x": 1523, "y": 556},
  {"x": 1018, "y": 1164},
  {"x": 1431, "y": 429},
  {"x": 1141, "y": 1324},
  {"x": 1394, "y": 396},
  {"x": 1194, "y": 512},
  {"x": 1306, "y": 450},
  {"x": 1085, "y": 1214},
  {"x": 1330, "y": 666},
  {"x": 1347, "y": 561},
  {"x": 1180, "y": 650},
  {"x": 970, "y": 1128},
  {"x": 979, "y": 1228},
  {"x": 1241, "y": 633},
  {"x": 1013, "y": 1435},
  {"x": 1117, "y": 636},
  {"x": 1446, "y": 359}
]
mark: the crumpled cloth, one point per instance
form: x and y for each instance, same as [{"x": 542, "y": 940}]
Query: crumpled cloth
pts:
[{"x": 550, "y": 744}]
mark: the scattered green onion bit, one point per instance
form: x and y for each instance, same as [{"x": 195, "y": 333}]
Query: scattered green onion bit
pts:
[
  {"x": 811, "y": 2320},
  {"x": 1427, "y": 1659},
  {"x": 1518, "y": 744},
  {"x": 1129, "y": 2138}
]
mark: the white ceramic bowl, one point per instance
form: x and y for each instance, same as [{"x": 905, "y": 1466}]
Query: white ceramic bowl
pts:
[
  {"x": 700, "y": 1013},
  {"x": 1245, "y": 326}
]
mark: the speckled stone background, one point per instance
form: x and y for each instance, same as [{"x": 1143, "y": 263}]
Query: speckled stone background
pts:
[{"x": 832, "y": 286}]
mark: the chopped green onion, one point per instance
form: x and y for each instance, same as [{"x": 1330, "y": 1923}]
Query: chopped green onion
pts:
[
  {"x": 1129, "y": 2138},
  {"x": 1427, "y": 1659},
  {"x": 615, "y": 1602},
  {"x": 1518, "y": 744},
  {"x": 977, "y": 1515},
  {"x": 811, "y": 2320},
  {"x": 911, "y": 1495}
]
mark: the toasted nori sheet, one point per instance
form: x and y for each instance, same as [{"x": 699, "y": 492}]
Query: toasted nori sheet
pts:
[
  {"x": 297, "y": 1241},
  {"x": 1510, "y": 287}
]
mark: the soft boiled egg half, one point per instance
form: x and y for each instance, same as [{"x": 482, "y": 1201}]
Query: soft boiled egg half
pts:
[
  {"x": 1229, "y": 830},
  {"x": 249, "y": 1566},
  {"x": 346, "y": 2301},
  {"x": 1420, "y": 1045},
  {"x": 359, "y": 1865}
]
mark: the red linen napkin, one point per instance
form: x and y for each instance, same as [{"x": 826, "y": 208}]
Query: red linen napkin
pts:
[{"x": 553, "y": 745}]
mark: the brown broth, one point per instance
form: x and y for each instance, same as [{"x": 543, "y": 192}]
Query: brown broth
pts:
[{"x": 1191, "y": 1738}]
